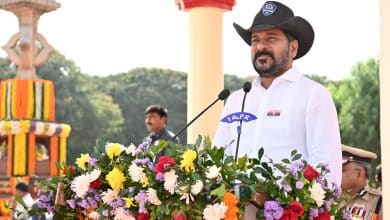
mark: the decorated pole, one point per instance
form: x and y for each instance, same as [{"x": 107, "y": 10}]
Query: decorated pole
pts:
[
  {"x": 384, "y": 96},
  {"x": 205, "y": 77},
  {"x": 32, "y": 143}
]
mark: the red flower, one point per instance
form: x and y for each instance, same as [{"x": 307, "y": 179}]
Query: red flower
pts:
[
  {"x": 95, "y": 184},
  {"x": 143, "y": 216},
  {"x": 296, "y": 209},
  {"x": 179, "y": 217},
  {"x": 310, "y": 173},
  {"x": 163, "y": 161},
  {"x": 323, "y": 216},
  {"x": 286, "y": 215},
  {"x": 69, "y": 170}
]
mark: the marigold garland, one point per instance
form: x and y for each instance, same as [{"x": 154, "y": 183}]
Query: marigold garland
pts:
[{"x": 27, "y": 99}]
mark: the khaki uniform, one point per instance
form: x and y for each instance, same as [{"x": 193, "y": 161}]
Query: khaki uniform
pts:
[{"x": 367, "y": 205}]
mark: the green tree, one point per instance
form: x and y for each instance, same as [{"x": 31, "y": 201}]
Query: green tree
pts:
[
  {"x": 6, "y": 70},
  {"x": 79, "y": 103},
  {"x": 138, "y": 88},
  {"x": 357, "y": 101}
]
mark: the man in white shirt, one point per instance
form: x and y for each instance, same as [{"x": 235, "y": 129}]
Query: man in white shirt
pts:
[
  {"x": 20, "y": 211},
  {"x": 293, "y": 112}
]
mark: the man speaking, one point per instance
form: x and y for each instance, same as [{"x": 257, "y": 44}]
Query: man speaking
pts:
[{"x": 291, "y": 112}]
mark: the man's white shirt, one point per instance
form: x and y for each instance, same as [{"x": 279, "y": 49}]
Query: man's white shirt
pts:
[
  {"x": 21, "y": 212},
  {"x": 294, "y": 113}
]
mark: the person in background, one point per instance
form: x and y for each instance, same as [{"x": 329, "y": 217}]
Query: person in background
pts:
[
  {"x": 365, "y": 202},
  {"x": 20, "y": 211},
  {"x": 156, "y": 120}
]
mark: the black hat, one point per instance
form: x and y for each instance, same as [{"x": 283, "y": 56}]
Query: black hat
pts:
[
  {"x": 276, "y": 15},
  {"x": 357, "y": 155}
]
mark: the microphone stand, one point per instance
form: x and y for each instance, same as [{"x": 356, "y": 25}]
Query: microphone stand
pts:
[
  {"x": 247, "y": 87},
  {"x": 222, "y": 96}
]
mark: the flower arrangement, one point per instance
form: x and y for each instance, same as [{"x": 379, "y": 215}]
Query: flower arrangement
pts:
[
  {"x": 119, "y": 182},
  {"x": 188, "y": 182},
  {"x": 296, "y": 190}
]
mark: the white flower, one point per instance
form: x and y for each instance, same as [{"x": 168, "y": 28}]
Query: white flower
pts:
[
  {"x": 197, "y": 187},
  {"x": 213, "y": 172},
  {"x": 94, "y": 215},
  {"x": 94, "y": 175},
  {"x": 152, "y": 197},
  {"x": 121, "y": 214},
  {"x": 131, "y": 150},
  {"x": 215, "y": 212},
  {"x": 187, "y": 197},
  {"x": 80, "y": 185},
  {"x": 317, "y": 193},
  {"x": 170, "y": 181},
  {"x": 109, "y": 196},
  {"x": 136, "y": 173}
]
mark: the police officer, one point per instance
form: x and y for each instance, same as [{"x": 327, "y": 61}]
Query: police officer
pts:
[{"x": 365, "y": 202}]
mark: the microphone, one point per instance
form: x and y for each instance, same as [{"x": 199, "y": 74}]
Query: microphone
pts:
[
  {"x": 246, "y": 87},
  {"x": 221, "y": 96}
]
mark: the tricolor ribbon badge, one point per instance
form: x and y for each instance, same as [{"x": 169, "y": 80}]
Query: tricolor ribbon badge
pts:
[{"x": 273, "y": 113}]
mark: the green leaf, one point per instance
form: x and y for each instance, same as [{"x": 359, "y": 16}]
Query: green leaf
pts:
[
  {"x": 219, "y": 192},
  {"x": 260, "y": 153},
  {"x": 198, "y": 141},
  {"x": 293, "y": 152},
  {"x": 207, "y": 142},
  {"x": 286, "y": 161},
  {"x": 257, "y": 169},
  {"x": 160, "y": 147},
  {"x": 245, "y": 179},
  {"x": 196, "y": 176},
  {"x": 242, "y": 162},
  {"x": 297, "y": 157},
  {"x": 228, "y": 160}
]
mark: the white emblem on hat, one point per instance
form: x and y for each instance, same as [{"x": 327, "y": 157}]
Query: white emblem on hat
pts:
[{"x": 268, "y": 8}]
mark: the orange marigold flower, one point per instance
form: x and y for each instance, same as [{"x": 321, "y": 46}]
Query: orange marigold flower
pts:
[{"x": 231, "y": 202}]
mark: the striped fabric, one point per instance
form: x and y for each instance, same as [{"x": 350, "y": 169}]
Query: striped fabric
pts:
[{"x": 27, "y": 99}]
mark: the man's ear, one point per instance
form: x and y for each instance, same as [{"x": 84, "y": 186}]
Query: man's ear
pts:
[
  {"x": 362, "y": 174},
  {"x": 165, "y": 119},
  {"x": 294, "y": 48}
]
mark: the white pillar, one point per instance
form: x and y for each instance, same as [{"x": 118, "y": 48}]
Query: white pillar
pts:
[
  {"x": 384, "y": 74},
  {"x": 205, "y": 78}
]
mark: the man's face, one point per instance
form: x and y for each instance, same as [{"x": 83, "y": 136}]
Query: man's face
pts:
[
  {"x": 19, "y": 193},
  {"x": 154, "y": 122},
  {"x": 352, "y": 176},
  {"x": 272, "y": 53}
]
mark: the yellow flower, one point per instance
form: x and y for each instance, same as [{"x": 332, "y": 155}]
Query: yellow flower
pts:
[
  {"x": 188, "y": 160},
  {"x": 115, "y": 179},
  {"x": 7, "y": 127},
  {"x": 144, "y": 181},
  {"x": 113, "y": 149},
  {"x": 24, "y": 126},
  {"x": 129, "y": 202},
  {"x": 82, "y": 161}
]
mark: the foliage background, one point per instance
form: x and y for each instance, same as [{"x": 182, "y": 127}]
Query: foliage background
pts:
[{"x": 112, "y": 107}]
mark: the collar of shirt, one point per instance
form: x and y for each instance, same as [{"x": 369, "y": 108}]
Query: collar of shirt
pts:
[
  {"x": 291, "y": 75},
  {"x": 158, "y": 134}
]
